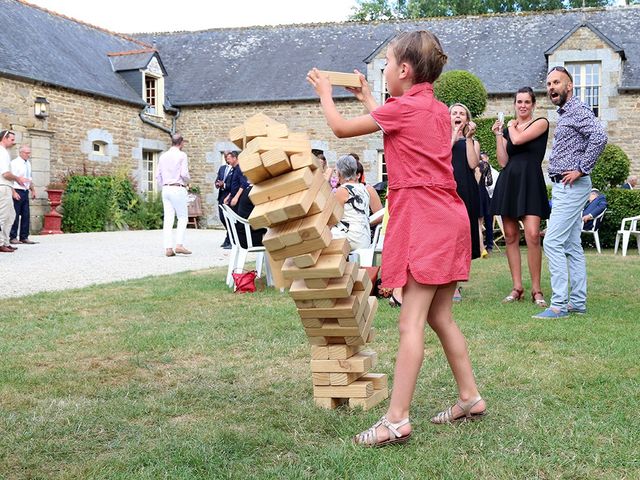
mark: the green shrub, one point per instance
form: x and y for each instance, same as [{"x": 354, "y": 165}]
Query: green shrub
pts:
[
  {"x": 487, "y": 138},
  {"x": 460, "y": 86},
  {"x": 621, "y": 203},
  {"x": 611, "y": 169},
  {"x": 148, "y": 215}
]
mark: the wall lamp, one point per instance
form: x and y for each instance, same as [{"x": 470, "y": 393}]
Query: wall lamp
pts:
[{"x": 41, "y": 108}]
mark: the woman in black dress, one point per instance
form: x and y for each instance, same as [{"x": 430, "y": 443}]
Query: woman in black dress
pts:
[
  {"x": 465, "y": 158},
  {"x": 520, "y": 192}
]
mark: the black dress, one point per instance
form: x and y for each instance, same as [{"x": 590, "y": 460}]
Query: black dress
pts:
[
  {"x": 520, "y": 189},
  {"x": 468, "y": 191}
]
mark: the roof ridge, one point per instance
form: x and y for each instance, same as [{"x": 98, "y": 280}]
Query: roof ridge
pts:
[
  {"x": 51, "y": 12},
  {"x": 132, "y": 52}
]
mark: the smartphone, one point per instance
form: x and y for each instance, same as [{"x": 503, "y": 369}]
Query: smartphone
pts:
[
  {"x": 465, "y": 129},
  {"x": 501, "y": 117}
]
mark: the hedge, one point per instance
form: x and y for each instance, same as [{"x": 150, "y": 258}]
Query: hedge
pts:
[
  {"x": 460, "y": 86},
  {"x": 611, "y": 169}
]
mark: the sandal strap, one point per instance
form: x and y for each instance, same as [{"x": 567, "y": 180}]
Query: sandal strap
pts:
[{"x": 468, "y": 405}]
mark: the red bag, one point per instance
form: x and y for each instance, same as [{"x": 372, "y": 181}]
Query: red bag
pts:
[{"x": 244, "y": 281}]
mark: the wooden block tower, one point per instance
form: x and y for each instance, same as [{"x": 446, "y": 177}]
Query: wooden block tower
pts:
[{"x": 295, "y": 202}]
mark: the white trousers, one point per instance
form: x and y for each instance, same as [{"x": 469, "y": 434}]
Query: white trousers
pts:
[
  {"x": 174, "y": 201},
  {"x": 7, "y": 213}
]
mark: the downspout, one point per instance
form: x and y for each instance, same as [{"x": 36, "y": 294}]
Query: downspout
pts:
[{"x": 144, "y": 119}]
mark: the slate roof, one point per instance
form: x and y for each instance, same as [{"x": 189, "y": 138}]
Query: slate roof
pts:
[
  {"x": 269, "y": 64},
  {"x": 261, "y": 64},
  {"x": 50, "y": 48},
  {"x": 135, "y": 60}
]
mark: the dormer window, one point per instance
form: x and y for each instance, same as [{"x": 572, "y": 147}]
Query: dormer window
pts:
[{"x": 151, "y": 93}]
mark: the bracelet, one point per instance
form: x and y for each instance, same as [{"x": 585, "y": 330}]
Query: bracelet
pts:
[{"x": 499, "y": 134}]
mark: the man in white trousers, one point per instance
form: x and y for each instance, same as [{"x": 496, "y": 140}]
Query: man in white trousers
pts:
[{"x": 173, "y": 178}]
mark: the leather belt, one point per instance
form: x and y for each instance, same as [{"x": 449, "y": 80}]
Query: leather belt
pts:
[
  {"x": 173, "y": 185},
  {"x": 556, "y": 178}
]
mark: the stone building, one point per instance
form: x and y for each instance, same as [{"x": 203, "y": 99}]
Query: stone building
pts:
[{"x": 112, "y": 99}]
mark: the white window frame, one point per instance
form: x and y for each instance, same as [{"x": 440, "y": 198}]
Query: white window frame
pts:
[
  {"x": 150, "y": 159},
  {"x": 585, "y": 82},
  {"x": 99, "y": 147},
  {"x": 154, "y": 104},
  {"x": 382, "y": 167}
]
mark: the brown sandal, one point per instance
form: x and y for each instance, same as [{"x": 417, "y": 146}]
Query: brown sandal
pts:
[
  {"x": 446, "y": 416},
  {"x": 515, "y": 296},
  {"x": 540, "y": 302}
]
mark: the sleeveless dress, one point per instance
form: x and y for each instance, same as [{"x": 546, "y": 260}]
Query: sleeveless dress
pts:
[
  {"x": 427, "y": 235},
  {"x": 520, "y": 189},
  {"x": 354, "y": 224},
  {"x": 467, "y": 188}
]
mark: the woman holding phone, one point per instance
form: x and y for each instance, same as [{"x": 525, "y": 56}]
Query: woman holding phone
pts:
[
  {"x": 465, "y": 158},
  {"x": 520, "y": 192}
]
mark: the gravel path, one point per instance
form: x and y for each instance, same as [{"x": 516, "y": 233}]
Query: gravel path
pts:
[{"x": 60, "y": 262}]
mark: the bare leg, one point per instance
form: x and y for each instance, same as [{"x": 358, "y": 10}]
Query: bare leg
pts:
[
  {"x": 413, "y": 316},
  {"x": 534, "y": 251},
  {"x": 512, "y": 239},
  {"x": 440, "y": 319}
]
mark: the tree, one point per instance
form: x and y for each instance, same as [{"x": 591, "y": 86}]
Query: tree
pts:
[
  {"x": 460, "y": 86},
  {"x": 371, "y": 10}
]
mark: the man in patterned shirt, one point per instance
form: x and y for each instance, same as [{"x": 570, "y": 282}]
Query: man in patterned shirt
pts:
[{"x": 577, "y": 143}]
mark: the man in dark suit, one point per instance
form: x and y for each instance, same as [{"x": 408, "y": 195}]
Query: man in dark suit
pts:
[
  {"x": 596, "y": 205},
  {"x": 223, "y": 172},
  {"x": 235, "y": 183},
  {"x": 631, "y": 183}
]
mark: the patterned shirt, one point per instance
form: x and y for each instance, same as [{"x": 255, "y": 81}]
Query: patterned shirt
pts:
[{"x": 578, "y": 140}]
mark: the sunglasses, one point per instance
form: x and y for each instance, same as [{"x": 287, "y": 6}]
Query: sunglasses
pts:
[
  {"x": 563, "y": 70},
  {"x": 6, "y": 134}
]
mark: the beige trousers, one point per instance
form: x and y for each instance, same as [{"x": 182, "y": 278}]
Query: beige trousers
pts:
[{"x": 7, "y": 213}]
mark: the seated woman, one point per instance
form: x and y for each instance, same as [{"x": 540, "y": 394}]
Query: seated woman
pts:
[
  {"x": 244, "y": 209},
  {"x": 354, "y": 196},
  {"x": 375, "y": 203}
]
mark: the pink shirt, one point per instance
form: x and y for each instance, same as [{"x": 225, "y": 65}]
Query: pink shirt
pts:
[{"x": 173, "y": 167}]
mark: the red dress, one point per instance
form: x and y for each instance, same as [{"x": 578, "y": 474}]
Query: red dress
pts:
[{"x": 428, "y": 232}]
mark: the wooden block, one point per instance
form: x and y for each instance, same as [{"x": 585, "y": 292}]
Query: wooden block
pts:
[
  {"x": 357, "y": 389},
  {"x": 342, "y": 79},
  {"x": 327, "y": 266},
  {"x": 281, "y": 186},
  {"x": 304, "y": 303},
  {"x": 252, "y": 168},
  {"x": 344, "y": 308},
  {"x": 379, "y": 380},
  {"x": 330, "y": 403},
  {"x": 331, "y": 328},
  {"x": 313, "y": 225},
  {"x": 306, "y": 159},
  {"x": 333, "y": 288},
  {"x": 320, "y": 352},
  {"x": 237, "y": 136},
  {"x": 363, "y": 282},
  {"x": 342, "y": 352},
  {"x": 278, "y": 130},
  {"x": 324, "y": 302},
  {"x": 321, "y": 378},
  {"x": 307, "y": 260},
  {"x": 371, "y": 401},
  {"x": 276, "y": 162},
  {"x": 338, "y": 246},
  {"x": 372, "y": 335},
  {"x": 336, "y": 214},
  {"x": 342, "y": 378},
  {"x": 318, "y": 203},
  {"x": 360, "y": 362},
  {"x": 304, "y": 247},
  {"x": 311, "y": 323},
  {"x": 360, "y": 316},
  {"x": 298, "y": 136},
  {"x": 316, "y": 283},
  {"x": 363, "y": 337},
  {"x": 326, "y": 340},
  {"x": 290, "y": 207},
  {"x": 279, "y": 281},
  {"x": 289, "y": 145}
]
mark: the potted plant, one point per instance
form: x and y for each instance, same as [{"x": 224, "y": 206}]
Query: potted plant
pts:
[{"x": 53, "y": 219}]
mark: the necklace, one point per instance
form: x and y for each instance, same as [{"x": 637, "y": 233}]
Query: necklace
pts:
[{"x": 524, "y": 125}]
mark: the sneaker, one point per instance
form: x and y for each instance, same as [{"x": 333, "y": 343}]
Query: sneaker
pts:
[
  {"x": 226, "y": 246},
  {"x": 550, "y": 313},
  {"x": 484, "y": 253},
  {"x": 577, "y": 311}
]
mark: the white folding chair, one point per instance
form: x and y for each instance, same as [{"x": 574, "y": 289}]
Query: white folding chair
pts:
[
  {"x": 625, "y": 234},
  {"x": 238, "y": 254},
  {"x": 595, "y": 226},
  {"x": 364, "y": 256}
]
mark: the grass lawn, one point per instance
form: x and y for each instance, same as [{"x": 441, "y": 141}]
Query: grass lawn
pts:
[{"x": 175, "y": 377}]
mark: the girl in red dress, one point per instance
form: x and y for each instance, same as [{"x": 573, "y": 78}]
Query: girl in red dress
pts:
[{"x": 427, "y": 244}]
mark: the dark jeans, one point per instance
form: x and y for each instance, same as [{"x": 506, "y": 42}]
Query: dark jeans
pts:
[
  {"x": 22, "y": 215},
  {"x": 485, "y": 202}
]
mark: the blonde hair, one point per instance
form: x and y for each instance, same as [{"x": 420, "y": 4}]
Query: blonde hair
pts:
[
  {"x": 469, "y": 117},
  {"x": 422, "y": 50}
]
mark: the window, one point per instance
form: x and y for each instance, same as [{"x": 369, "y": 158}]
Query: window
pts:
[
  {"x": 99, "y": 148},
  {"x": 586, "y": 83},
  {"x": 382, "y": 167},
  {"x": 151, "y": 94},
  {"x": 149, "y": 170},
  {"x": 385, "y": 90}
]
